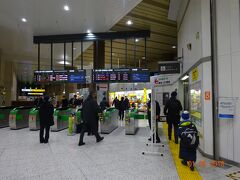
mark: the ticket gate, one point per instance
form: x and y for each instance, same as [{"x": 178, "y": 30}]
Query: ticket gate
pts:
[
  {"x": 19, "y": 116},
  {"x": 109, "y": 121},
  {"x": 4, "y": 115},
  {"x": 61, "y": 116},
  {"x": 131, "y": 122},
  {"x": 34, "y": 121}
]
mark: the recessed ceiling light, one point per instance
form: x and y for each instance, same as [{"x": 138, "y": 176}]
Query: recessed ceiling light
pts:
[
  {"x": 136, "y": 40},
  {"x": 174, "y": 47},
  {"x": 62, "y": 62},
  {"x": 88, "y": 31},
  {"x": 129, "y": 22},
  {"x": 66, "y": 8},
  {"x": 24, "y": 20}
]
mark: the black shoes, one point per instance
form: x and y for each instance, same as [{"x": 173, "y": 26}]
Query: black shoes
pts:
[
  {"x": 184, "y": 163},
  {"x": 192, "y": 168},
  {"x": 81, "y": 143},
  {"x": 100, "y": 139},
  {"x": 41, "y": 141},
  {"x": 46, "y": 141}
]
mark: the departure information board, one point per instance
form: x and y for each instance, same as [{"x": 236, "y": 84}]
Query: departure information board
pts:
[
  {"x": 44, "y": 76},
  {"x": 120, "y": 75},
  {"x": 61, "y": 76},
  {"x": 77, "y": 76},
  {"x": 140, "y": 75},
  {"x": 71, "y": 76}
]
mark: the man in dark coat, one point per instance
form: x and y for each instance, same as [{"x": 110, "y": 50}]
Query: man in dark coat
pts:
[
  {"x": 116, "y": 103},
  {"x": 46, "y": 119},
  {"x": 90, "y": 111},
  {"x": 158, "y": 110},
  {"x": 64, "y": 102},
  {"x": 126, "y": 103},
  {"x": 172, "y": 111},
  {"x": 104, "y": 104},
  {"x": 121, "y": 109}
]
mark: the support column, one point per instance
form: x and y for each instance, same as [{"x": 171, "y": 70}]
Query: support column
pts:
[{"x": 99, "y": 55}]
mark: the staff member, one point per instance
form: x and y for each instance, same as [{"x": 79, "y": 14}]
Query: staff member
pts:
[
  {"x": 90, "y": 111},
  {"x": 46, "y": 119},
  {"x": 172, "y": 111}
]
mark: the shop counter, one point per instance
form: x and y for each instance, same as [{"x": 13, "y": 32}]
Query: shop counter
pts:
[
  {"x": 131, "y": 122},
  {"x": 34, "y": 121},
  {"x": 19, "y": 117},
  {"x": 4, "y": 115},
  {"x": 61, "y": 116},
  {"x": 109, "y": 120}
]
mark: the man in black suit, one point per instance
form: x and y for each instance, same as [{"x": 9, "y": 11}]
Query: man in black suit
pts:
[{"x": 46, "y": 119}]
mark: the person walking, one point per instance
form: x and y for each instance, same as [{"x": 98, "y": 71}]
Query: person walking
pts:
[
  {"x": 116, "y": 103},
  {"x": 46, "y": 119},
  {"x": 104, "y": 104},
  {"x": 189, "y": 141},
  {"x": 90, "y": 112},
  {"x": 126, "y": 103},
  {"x": 172, "y": 111},
  {"x": 158, "y": 110},
  {"x": 121, "y": 109}
]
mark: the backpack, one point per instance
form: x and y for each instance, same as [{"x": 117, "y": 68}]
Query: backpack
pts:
[{"x": 188, "y": 134}]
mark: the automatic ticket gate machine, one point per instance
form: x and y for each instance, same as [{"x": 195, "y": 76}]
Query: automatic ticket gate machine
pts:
[
  {"x": 34, "y": 121},
  {"x": 19, "y": 117},
  {"x": 4, "y": 115},
  {"x": 109, "y": 120},
  {"x": 131, "y": 122},
  {"x": 61, "y": 116}
]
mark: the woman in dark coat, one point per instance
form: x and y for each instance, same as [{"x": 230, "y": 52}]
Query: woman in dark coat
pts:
[
  {"x": 189, "y": 141},
  {"x": 90, "y": 111},
  {"x": 46, "y": 119}
]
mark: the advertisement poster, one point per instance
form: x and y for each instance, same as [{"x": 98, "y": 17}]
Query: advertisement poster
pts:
[
  {"x": 196, "y": 106},
  {"x": 226, "y": 108}
]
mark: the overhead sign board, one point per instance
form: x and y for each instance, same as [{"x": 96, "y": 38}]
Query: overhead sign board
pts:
[{"x": 169, "y": 68}]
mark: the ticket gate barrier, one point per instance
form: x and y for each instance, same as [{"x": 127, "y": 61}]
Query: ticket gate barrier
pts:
[
  {"x": 131, "y": 122},
  {"x": 109, "y": 120},
  {"x": 34, "y": 121},
  {"x": 4, "y": 115},
  {"x": 19, "y": 116},
  {"x": 61, "y": 116}
]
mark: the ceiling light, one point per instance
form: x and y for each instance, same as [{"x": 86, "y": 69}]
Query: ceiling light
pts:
[
  {"x": 74, "y": 48},
  {"x": 24, "y": 20},
  {"x": 62, "y": 62},
  {"x": 89, "y": 31},
  {"x": 136, "y": 40},
  {"x": 66, "y": 8},
  {"x": 129, "y": 22},
  {"x": 185, "y": 77},
  {"x": 174, "y": 47}
]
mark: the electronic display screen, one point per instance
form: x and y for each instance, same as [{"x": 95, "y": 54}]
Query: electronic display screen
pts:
[
  {"x": 77, "y": 76},
  {"x": 43, "y": 76},
  {"x": 120, "y": 75},
  {"x": 103, "y": 75},
  {"x": 60, "y": 76},
  {"x": 140, "y": 75}
]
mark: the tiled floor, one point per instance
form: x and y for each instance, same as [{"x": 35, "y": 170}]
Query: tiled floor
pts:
[{"x": 118, "y": 157}]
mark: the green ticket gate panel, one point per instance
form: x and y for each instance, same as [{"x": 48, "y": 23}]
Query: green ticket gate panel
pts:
[
  {"x": 18, "y": 117},
  {"x": 61, "y": 116},
  {"x": 34, "y": 121},
  {"x": 109, "y": 121},
  {"x": 4, "y": 115},
  {"x": 131, "y": 122}
]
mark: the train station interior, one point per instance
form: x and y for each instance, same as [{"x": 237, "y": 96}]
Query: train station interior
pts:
[{"x": 119, "y": 89}]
